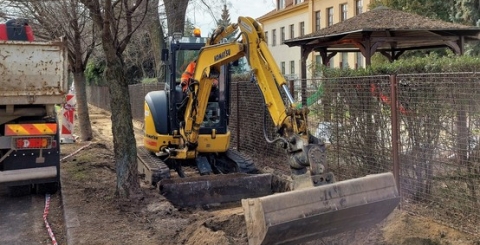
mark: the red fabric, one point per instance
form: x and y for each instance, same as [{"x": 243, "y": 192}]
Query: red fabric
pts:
[
  {"x": 3, "y": 32},
  {"x": 29, "y": 32}
]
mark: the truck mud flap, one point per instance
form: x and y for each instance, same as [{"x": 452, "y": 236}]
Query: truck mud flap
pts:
[
  {"x": 308, "y": 214},
  {"x": 211, "y": 190}
]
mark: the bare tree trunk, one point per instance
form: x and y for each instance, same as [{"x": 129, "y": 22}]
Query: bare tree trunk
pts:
[
  {"x": 175, "y": 11},
  {"x": 82, "y": 105},
  {"x": 124, "y": 139},
  {"x": 156, "y": 37},
  {"x": 124, "y": 143}
]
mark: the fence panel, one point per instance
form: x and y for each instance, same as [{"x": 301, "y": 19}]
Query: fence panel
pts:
[
  {"x": 99, "y": 96},
  {"x": 352, "y": 115},
  {"x": 439, "y": 121}
]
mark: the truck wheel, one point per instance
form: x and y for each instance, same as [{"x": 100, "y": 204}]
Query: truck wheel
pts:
[
  {"x": 20, "y": 190},
  {"x": 47, "y": 188}
]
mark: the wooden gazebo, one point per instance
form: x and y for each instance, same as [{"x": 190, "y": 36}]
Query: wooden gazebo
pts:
[{"x": 390, "y": 32}]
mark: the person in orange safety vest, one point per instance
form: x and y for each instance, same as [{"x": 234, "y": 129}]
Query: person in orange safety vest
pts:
[{"x": 188, "y": 74}]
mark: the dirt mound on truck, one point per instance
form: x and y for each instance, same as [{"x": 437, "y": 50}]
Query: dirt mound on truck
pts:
[{"x": 89, "y": 181}]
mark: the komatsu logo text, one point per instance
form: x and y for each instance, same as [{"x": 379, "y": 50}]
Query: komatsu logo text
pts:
[{"x": 222, "y": 55}]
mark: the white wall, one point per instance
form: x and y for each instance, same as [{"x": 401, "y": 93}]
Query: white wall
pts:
[{"x": 281, "y": 52}]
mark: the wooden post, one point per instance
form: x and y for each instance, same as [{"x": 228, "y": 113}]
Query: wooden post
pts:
[{"x": 395, "y": 132}]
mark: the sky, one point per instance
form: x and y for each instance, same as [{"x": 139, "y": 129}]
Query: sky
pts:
[{"x": 202, "y": 16}]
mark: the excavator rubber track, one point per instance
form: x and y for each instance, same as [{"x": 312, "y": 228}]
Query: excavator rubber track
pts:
[
  {"x": 152, "y": 167},
  {"x": 307, "y": 214},
  {"x": 206, "y": 190}
]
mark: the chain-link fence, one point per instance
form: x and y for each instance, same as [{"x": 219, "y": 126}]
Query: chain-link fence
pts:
[{"x": 424, "y": 128}]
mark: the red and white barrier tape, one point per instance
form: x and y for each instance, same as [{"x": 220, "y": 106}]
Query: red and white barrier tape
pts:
[
  {"x": 45, "y": 214},
  {"x": 47, "y": 200},
  {"x": 77, "y": 151}
]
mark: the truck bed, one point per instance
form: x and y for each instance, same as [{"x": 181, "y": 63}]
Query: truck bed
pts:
[{"x": 33, "y": 73}]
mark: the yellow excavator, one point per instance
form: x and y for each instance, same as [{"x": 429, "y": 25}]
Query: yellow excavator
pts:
[{"x": 188, "y": 131}]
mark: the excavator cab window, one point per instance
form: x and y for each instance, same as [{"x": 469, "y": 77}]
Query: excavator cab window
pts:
[
  {"x": 217, "y": 102},
  {"x": 184, "y": 57},
  {"x": 212, "y": 115}
]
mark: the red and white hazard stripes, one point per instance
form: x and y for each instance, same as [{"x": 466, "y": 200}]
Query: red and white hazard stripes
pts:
[
  {"x": 45, "y": 214},
  {"x": 30, "y": 129},
  {"x": 68, "y": 112}
]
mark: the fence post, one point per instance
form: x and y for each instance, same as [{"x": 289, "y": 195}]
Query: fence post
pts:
[
  {"x": 238, "y": 115},
  {"x": 395, "y": 131}
]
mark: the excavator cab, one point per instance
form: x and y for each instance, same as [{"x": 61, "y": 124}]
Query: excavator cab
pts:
[
  {"x": 168, "y": 114},
  {"x": 164, "y": 121},
  {"x": 216, "y": 116},
  {"x": 190, "y": 129}
]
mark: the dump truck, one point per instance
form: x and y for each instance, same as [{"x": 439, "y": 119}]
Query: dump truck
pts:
[
  {"x": 33, "y": 80},
  {"x": 189, "y": 128}
]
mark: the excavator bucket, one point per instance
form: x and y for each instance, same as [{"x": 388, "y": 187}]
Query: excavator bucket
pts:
[
  {"x": 215, "y": 189},
  {"x": 308, "y": 214}
]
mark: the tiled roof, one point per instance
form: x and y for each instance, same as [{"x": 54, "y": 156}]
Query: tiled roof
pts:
[{"x": 383, "y": 18}]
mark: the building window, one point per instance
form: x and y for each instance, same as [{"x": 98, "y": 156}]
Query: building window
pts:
[
  {"x": 360, "y": 60},
  {"x": 358, "y": 7},
  {"x": 298, "y": 1},
  {"x": 280, "y": 4},
  {"x": 345, "y": 60},
  {"x": 282, "y": 35},
  {"x": 330, "y": 16},
  {"x": 282, "y": 67},
  {"x": 266, "y": 37},
  {"x": 317, "y": 20},
  {"x": 343, "y": 13},
  {"x": 292, "y": 67},
  {"x": 302, "y": 28},
  {"x": 292, "y": 31},
  {"x": 274, "y": 37}
]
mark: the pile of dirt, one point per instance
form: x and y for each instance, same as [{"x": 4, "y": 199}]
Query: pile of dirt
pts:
[{"x": 90, "y": 181}]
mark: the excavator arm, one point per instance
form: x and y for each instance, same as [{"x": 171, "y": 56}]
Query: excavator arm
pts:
[{"x": 291, "y": 122}]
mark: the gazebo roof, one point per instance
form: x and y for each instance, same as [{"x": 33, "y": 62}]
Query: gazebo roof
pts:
[{"x": 391, "y": 30}]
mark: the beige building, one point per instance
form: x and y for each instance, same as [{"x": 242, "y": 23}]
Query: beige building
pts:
[{"x": 294, "y": 18}]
